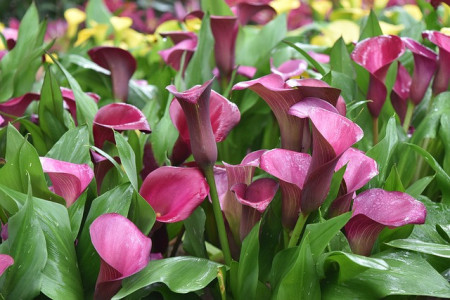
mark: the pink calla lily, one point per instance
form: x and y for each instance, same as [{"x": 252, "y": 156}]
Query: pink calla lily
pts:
[
  {"x": 376, "y": 55},
  {"x": 174, "y": 193},
  {"x": 10, "y": 35},
  {"x": 260, "y": 13},
  {"x": 5, "y": 262},
  {"x": 118, "y": 117},
  {"x": 400, "y": 92},
  {"x": 173, "y": 56},
  {"x": 179, "y": 36},
  {"x": 69, "y": 179},
  {"x": 290, "y": 68},
  {"x": 121, "y": 64},
  {"x": 224, "y": 30},
  {"x": 301, "y": 16},
  {"x": 124, "y": 250},
  {"x": 442, "y": 77},
  {"x": 425, "y": 65},
  {"x": 375, "y": 209},
  {"x": 17, "y": 106}
]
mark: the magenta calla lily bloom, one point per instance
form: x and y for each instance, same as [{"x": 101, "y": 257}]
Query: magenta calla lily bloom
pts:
[
  {"x": 118, "y": 117},
  {"x": 69, "y": 179},
  {"x": 10, "y": 35},
  {"x": 17, "y": 106},
  {"x": 173, "y": 56},
  {"x": 400, "y": 92},
  {"x": 174, "y": 193},
  {"x": 224, "y": 30},
  {"x": 5, "y": 262},
  {"x": 260, "y": 13},
  {"x": 425, "y": 65},
  {"x": 254, "y": 199},
  {"x": 375, "y": 209},
  {"x": 124, "y": 250},
  {"x": 195, "y": 105},
  {"x": 359, "y": 171},
  {"x": 121, "y": 64},
  {"x": 69, "y": 101},
  {"x": 291, "y": 169},
  {"x": 442, "y": 77},
  {"x": 301, "y": 16},
  {"x": 376, "y": 55},
  {"x": 179, "y": 36},
  {"x": 290, "y": 68}
]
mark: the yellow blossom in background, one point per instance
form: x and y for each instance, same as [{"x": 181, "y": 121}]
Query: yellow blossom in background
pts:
[
  {"x": 387, "y": 28},
  {"x": 119, "y": 24},
  {"x": 445, "y": 30},
  {"x": 352, "y": 13},
  {"x": 193, "y": 24},
  {"x": 351, "y": 3},
  {"x": 110, "y": 43},
  {"x": 321, "y": 7},
  {"x": 380, "y": 4},
  {"x": 171, "y": 25},
  {"x": 334, "y": 30},
  {"x": 413, "y": 11},
  {"x": 282, "y": 6},
  {"x": 2, "y": 26},
  {"x": 2, "y": 47},
  {"x": 98, "y": 31},
  {"x": 133, "y": 38},
  {"x": 446, "y": 14},
  {"x": 48, "y": 58},
  {"x": 74, "y": 17}
]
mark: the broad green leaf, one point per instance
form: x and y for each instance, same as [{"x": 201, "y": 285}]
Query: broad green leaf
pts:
[
  {"x": 350, "y": 265},
  {"x": 408, "y": 274},
  {"x": 51, "y": 109},
  {"x": 444, "y": 231},
  {"x": 163, "y": 138},
  {"x": 8, "y": 199},
  {"x": 320, "y": 234},
  {"x": 248, "y": 266},
  {"x": 308, "y": 57},
  {"x": 86, "y": 63},
  {"x": 194, "y": 237},
  {"x": 127, "y": 159},
  {"x": 22, "y": 161},
  {"x": 72, "y": 147},
  {"x": 340, "y": 60},
  {"x": 26, "y": 245},
  {"x": 199, "y": 69},
  {"x": 393, "y": 181},
  {"x": 419, "y": 186},
  {"x": 370, "y": 27},
  {"x": 444, "y": 134},
  {"x": 141, "y": 213},
  {"x": 346, "y": 84},
  {"x": 389, "y": 234},
  {"x": 37, "y": 136},
  {"x": 422, "y": 247},
  {"x": 116, "y": 200},
  {"x": 216, "y": 7},
  {"x": 180, "y": 274},
  {"x": 76, "y": 211}
]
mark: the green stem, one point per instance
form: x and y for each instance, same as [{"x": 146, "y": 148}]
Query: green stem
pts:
[
  {"x": 298, "y": 229},
  {"x": 408, "y": 116},
  {"x": 3, "y": 216},
  {"x": 375, "y": 130},
  {"x": 209, "y": 174}
]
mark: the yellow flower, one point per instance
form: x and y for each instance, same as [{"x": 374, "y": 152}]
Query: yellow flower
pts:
[
  {"x": 352, "y": 13},
  {"x": 98, "y": 31},
  {"x": 387, "y": 28},
  {"x": 2, "y": 26},
  {"x": 74, "y": 17},
  {"x": 171, "y": 25},
  {"x": 48, "y": 59},
  {"x": 380, "y": 4},
  {"x": 445, "y": 30},
  {"x": 322, "y": 7},
  {"x": 446, "y": 14},
  {"x": 282, "y": 6},
  {"x": 193, "y": 24},
  {"x": 334, "y": 30},
  {"x": 133, "y": 38},
  {"x": 414, "y": 11},
  {"x": 120, "y": 23}
]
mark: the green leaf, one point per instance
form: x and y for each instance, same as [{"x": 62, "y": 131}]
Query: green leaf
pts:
[
  {"x": 76, "y": 211},
  {"x": 127, "y": 159},
  {"x": 39, "y": 141},
  {"x": 308, "y": 57},
  {"x": 444, "y": 134},
  {"x": 96, "y": 11},
  {"x": 320, "y": 234},
  {"x": 26, "y": 245},
  {"x": 180, "y": 274},
  {"x": 444, "y": 231},
  {"x": 216, "y": 7},
  {"x": 163, "y": 138},
  {"x": 370, "y": 27},
  {"x": 199, "y": 69},
  {"x": 393, "y": 181},
  {"x": 86, "y": 64},
  {"x": 72, "y": 147},
  {"x": 247, "y": 277},
  {"x": 141, "y": 213},
  {"x": 194, "y": 238},
  {"x": 419, "y": 186},
  {"x": 422, "y": 247},
  {"x": 116, "y": 200},
  {"x": 340, "y": 60},
  {"x": 349, "y": 264}
]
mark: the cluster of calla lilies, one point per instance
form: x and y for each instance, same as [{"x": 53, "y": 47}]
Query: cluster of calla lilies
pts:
[{"x": 316, "y": 141}]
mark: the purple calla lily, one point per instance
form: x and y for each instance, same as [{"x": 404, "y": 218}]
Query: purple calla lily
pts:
[
  {"x": 17, "y": 106},
  {"x": 375, "y": 209},
  {"x": 121, "y": 64},
  {"x": 124, "y": 250},
  {"x": 69, "y": 179},
  {"x": 174, "y": 193},
  {"x": 290, "y": 68},
  {"x": 69, "y": 101},
  {"x": 224, "y": 30},
  {"x": 442, "y": 78},
  {"x": 5, "y": 262},
  {"x": 179, "y": 36},
  {"x": 254, "y": 199},
  {"x": 425, "y": 65},
  {"x": 173, "y": 56},
  {"x": 260, "y": 13},
  {"x": 400, "y": 92},
  {"x": 376, "y": 55},
  {"x": 195, "y": 105},
  {"x": 301, "y": 16},
  {"x": 118, "y": 117}
]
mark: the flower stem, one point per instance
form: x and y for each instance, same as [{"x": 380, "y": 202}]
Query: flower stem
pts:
[
  {"x": 298, "y": 229},
  {"x": 375, "y": 130},
  {"x": 408, "y": 116},
  {"x": 209, "y": 174}
]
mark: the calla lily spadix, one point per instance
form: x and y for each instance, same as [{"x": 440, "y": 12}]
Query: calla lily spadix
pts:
[
  {"x": 375, "y": 209},
  {"x": 121, "y": 64},
  {"x": 118, "y": 117},
  {"x": 5, "y": 262},
  {"x": 124, "y": 250},
  {"x": 442, "y": 77},
  {"x": 174, "y": 193},
  {"x": 69, "y": 179}
]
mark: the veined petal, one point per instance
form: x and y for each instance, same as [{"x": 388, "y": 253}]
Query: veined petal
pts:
[
  {"x": 119, "y": 117},
  {"x": 69, "y": 179},
  {"x": 5, "y": 262},
  {"x": 375, "y": 209},
  {"x": 224, "y": 30},
  {"x": 123, "y": 248},
  {"x": 121, "y": 64},
  {"x": 173, "y": 56},
  {"x": 174, "y": 193}
]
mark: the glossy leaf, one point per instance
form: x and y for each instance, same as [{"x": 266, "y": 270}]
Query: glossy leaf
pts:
[
  {"x": 72, "y": 147},
  {"x": 247, "y": 277},
  {"x": 422, "y": 247},
  {"x": 194, "y": 238},
  {"x": 371, "y": 27}
]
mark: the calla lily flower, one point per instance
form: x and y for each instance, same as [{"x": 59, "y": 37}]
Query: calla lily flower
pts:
[
  {"x": 375, "y": 209},
  {"x": 224, "y": 30},
  {"x": 10, "y": 35},
  {"x": 74, "y": 17},
  {"x": 5, "y": 262},
  {"x": 441, "y": 80},
  {"x": 376, "y": 55},
  {"x": 290, "y": 168},
  {"x": 121, "y": 64},
  {"x": 179, "y": 36},
  {"x": 124, "y": 250},
  {"x": 260, "y": 13},
  {"x": 425, "y": 65},
  {"x": 174, "y": 193},
  {"x": 330, "y": 140},
  {"x": 360, "y": 169},
  {"x": 17, "y": 106},
  {"x": 69, "y": 101},
  {"x": 195, "y": 104},
  {"x": 173, "y": 55},
  {"x": 254, "y": 199},
  {"x": 290, "y": 68},
  {"x": 400, "y": 92},
  {"x": 118, "y": 117},
  {"x": 69, "y": 179}
]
